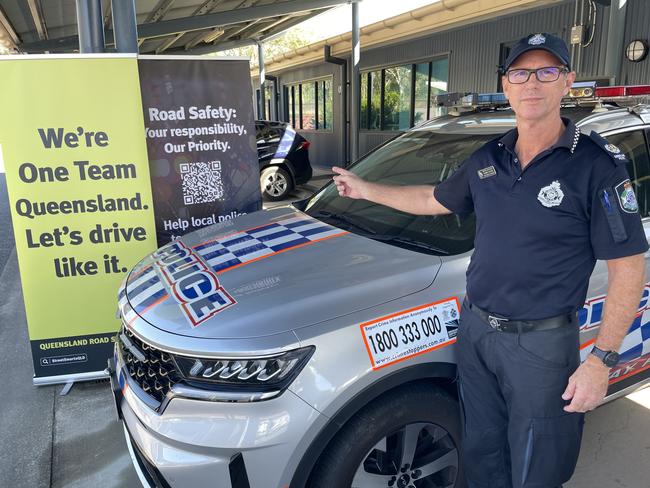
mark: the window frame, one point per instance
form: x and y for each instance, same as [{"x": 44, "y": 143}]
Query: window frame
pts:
[
  {"x": 319, "y": 104},
  {"x": 381, "y": 71}
]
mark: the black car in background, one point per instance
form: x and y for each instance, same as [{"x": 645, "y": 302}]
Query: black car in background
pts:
[{"x": 284, "y": 159}]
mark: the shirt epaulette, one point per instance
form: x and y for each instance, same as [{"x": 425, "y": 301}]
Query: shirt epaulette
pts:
[{"x": 616, "y": 155}]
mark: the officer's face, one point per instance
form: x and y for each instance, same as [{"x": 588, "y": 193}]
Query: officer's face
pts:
[{"x": 535, "y": 101}]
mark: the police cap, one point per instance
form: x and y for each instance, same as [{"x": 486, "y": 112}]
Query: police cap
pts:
[{"x": 547, "y": 42}]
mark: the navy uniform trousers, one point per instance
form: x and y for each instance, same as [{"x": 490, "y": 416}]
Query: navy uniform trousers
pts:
[{"x": 515, "y": 431}]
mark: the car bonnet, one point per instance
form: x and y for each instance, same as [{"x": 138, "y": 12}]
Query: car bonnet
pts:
[{"x": 266, "y": 273}]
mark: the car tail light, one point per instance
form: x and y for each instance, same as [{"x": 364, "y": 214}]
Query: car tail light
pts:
[{"x": 304, "y": 145}]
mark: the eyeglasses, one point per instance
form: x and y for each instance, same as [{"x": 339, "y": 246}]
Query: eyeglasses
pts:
[{"x": 548, "y": 74}]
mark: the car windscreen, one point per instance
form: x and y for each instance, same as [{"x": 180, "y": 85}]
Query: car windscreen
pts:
[{"x": 415, "y": 158}]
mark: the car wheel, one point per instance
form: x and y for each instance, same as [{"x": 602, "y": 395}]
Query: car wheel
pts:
[
  {"x": 276, "y": 183},
  {"x": 408, "y": 438}
]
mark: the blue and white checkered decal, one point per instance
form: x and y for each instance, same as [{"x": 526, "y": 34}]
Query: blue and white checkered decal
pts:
[
  {"x": 224, "y": 253},
  {"x": 144, "y": 291},
  {"x": 227, "y": 252},
  {"x": 637, "y": 341}
]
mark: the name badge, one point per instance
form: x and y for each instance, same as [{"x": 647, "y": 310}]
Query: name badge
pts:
[{"x": 487, "y": 172}]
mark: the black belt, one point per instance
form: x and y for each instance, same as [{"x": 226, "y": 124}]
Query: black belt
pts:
[{"x": 506, "y": 325}]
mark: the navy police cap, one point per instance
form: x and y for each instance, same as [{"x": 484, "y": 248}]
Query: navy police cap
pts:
[{"x": 547, "y": 42}]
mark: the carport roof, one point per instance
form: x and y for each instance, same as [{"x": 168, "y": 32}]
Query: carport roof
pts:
[{"x": 164, "y": 26}]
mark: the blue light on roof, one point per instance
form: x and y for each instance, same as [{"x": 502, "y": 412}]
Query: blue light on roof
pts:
[{"x": 492, "y": 99}]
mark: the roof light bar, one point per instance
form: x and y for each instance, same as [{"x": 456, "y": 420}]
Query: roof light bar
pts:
[
  {"x": 622, "y": 91},
  {"x": 582, "y": 89}
]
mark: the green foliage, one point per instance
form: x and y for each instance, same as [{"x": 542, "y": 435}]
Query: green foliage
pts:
[{"x": 290, "y": 40}]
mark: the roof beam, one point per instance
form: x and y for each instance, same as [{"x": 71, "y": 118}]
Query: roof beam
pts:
[
  {"x": 39, "y": 21},
  {"x": 108, "y": 14},
  {"x": 205, "y": 7},
  {"x": 208, "y": 21},
  {"x": 214, "y": 35},
  {"x": 233, "y": 44},
  {"x": 159, "y": 11},
  {"x": 9, "y": 38},
  {"x": 220, "y": 19}
]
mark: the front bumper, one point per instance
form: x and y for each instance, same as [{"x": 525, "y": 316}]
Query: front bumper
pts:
[{"x": 202, "y": 443}]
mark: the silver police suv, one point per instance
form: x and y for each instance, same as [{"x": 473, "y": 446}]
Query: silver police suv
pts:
[{"x": 313, "y": 344}]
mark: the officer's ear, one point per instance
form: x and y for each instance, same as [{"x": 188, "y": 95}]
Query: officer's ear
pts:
[{"x": 569, "y": 80}]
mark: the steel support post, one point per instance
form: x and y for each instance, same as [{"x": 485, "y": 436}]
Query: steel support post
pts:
[
  {"x": 354, "y": 85},
  {"x": 90, "y": 24},
  {"x": 260, "y": 55},
  {"x": 125, "y": 29}
]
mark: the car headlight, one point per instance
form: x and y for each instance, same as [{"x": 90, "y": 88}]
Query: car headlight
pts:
[{"x": 269, "y": 375}]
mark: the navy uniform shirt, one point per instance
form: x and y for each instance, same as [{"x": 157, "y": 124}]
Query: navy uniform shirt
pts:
[{"x": 540, "y": 231}]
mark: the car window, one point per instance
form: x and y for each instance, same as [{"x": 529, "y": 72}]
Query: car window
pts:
[
  {"x": 415, "y": 158},
  {"x": 633, "y": 144}
]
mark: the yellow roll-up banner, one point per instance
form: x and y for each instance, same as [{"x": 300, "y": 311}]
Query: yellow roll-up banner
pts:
[{"x": 73, "y": 143}]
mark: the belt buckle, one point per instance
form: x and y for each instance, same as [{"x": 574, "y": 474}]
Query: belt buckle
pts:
[{"x": 495, "y": 322}]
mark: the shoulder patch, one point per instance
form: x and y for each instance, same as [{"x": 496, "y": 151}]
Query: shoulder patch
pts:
[
  {"x": 616, "y": 155},
  {"x": 626, "y": 196}
]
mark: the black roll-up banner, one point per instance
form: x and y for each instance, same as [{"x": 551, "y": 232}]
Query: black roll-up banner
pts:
[{"x": 201, "y": 141}]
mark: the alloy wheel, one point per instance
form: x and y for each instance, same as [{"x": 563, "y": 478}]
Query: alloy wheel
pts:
[{"x": 418, "y": 455}]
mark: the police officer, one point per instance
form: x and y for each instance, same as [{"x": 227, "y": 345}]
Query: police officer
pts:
[{"x": 549, "y": 202}]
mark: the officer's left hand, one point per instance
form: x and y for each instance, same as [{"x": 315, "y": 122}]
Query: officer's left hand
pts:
[{"x": 587, "y": 386}]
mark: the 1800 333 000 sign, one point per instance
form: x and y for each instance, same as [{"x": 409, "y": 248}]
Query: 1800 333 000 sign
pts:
[{"x": 407, "y": 333}]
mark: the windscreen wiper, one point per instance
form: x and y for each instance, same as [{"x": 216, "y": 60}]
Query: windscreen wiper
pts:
[
  {"x": 346, "y": 220},
  {"x": 408, "y": 242}
]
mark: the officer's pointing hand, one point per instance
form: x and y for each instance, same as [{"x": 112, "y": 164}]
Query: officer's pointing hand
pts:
[
  {"x": 587, "y": 386},
  {"x": 348, "y": 184}
]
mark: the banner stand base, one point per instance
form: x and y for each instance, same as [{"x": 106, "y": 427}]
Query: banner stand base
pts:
[{"x": 70, "y": 378}]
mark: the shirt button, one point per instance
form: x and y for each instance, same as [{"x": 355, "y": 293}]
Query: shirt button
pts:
[
  {"x": 516, "y": 160},
  {"x": 519, "y": 179}
]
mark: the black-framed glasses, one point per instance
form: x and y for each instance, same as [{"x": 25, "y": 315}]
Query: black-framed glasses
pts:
[{"x": 547, "y": 74}]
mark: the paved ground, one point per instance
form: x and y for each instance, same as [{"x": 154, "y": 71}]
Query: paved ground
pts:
[{"x": 73, "y": 441}]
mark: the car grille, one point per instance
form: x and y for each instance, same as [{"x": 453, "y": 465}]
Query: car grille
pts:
[{"x": 156, "y": 373}]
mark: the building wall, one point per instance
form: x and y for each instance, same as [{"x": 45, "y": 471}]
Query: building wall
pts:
[
  {"x": 473, "y": 59},
  {"x": 327, "y": 147},
  {"x": 637, "y": 26}
]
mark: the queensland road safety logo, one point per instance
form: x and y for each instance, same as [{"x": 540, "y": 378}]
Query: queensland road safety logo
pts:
[
  {"x": 551, "y": 195},
  {"x": 192, "y": 283},
  {"x": 536, "y": 40},
  {"x": 411, "y": 332},
  {"x": 626, "y": 197}
]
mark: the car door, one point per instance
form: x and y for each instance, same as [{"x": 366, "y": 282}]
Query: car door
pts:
[{"x": 634, "y": 365}]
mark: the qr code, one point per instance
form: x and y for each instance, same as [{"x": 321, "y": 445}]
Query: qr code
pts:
[{"x": 201, "y": 182}]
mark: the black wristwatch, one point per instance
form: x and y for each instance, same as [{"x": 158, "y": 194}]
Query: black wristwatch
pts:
[{"x": 609, "y": 358}]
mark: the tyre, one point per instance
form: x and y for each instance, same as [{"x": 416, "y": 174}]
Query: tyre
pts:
[
  {"x": 276, "y": 183},
  {"x": 407, "y": 438}
]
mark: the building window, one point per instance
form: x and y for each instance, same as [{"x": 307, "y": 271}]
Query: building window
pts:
[
  {"x": 421, "y": 98},
  {"x": 324, "y": 109},
  {"x": 309, "y": 104},
  {"x": 308, "y": 116},
  {"x": 398, "y": 97},
  {"x": 269, "y": 94}
]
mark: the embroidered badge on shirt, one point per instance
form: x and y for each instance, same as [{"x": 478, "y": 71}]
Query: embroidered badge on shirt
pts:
[
  {"x": 551, "y": 195},
  {"x": 612, "y": 148},
  {"x": 486, "y": 172},
  {"x": 626, "y": 196},
  {"x": 537, "y": 39}
]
